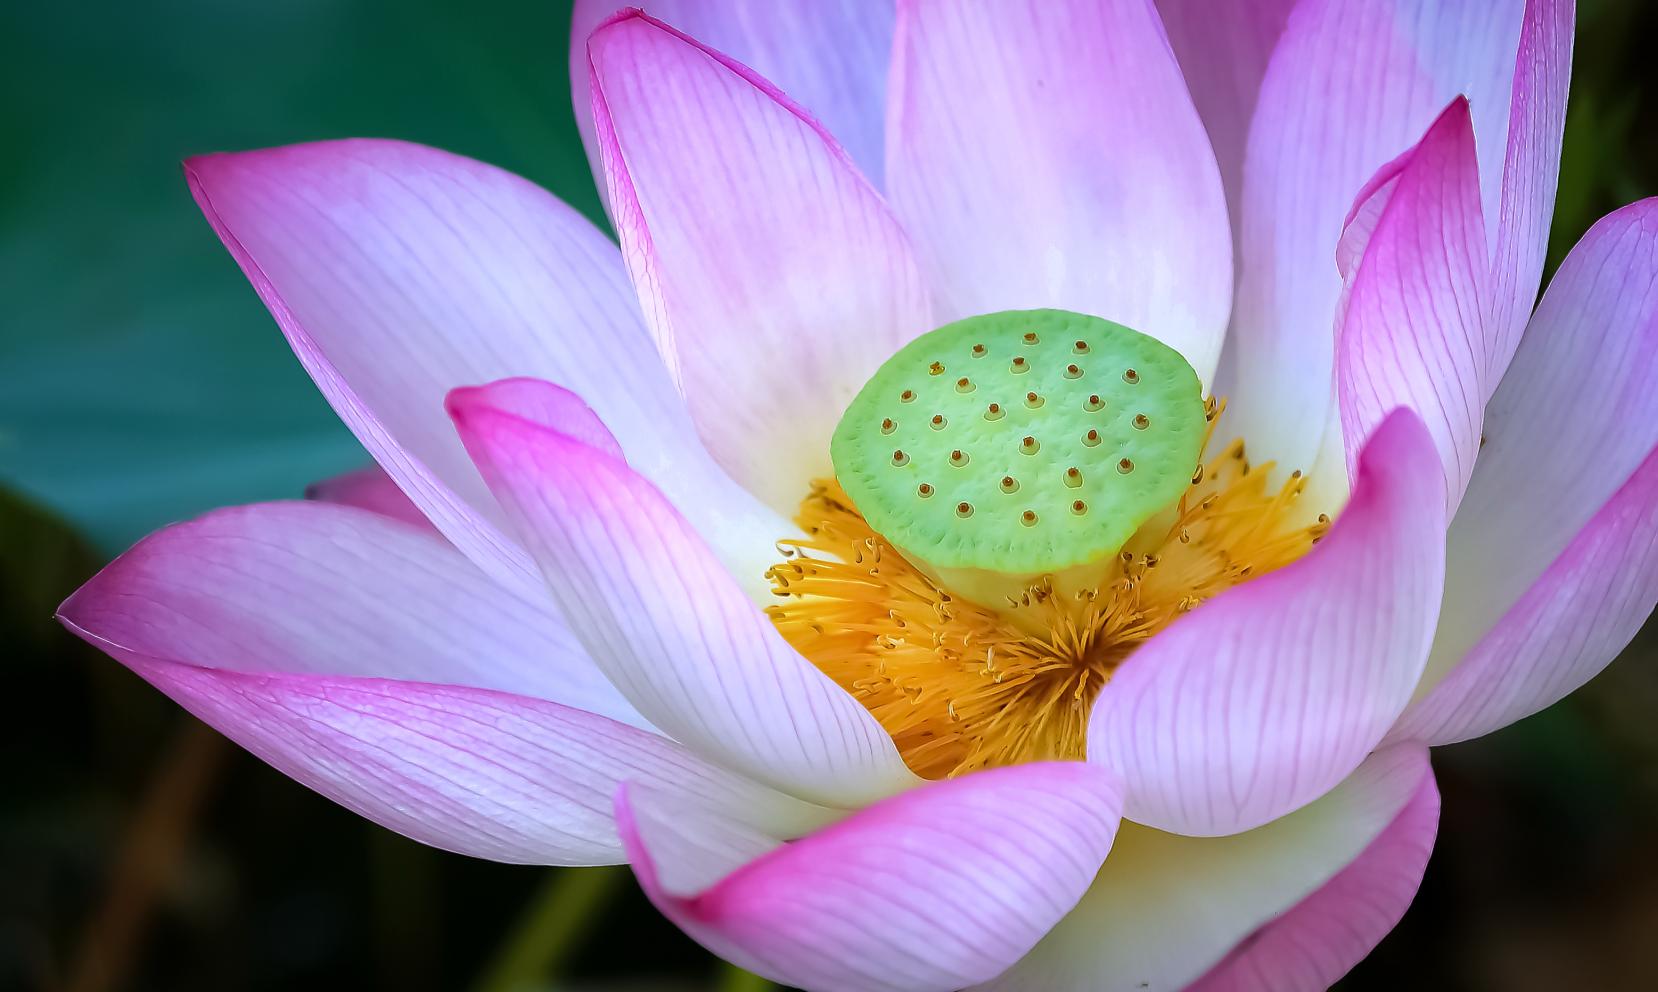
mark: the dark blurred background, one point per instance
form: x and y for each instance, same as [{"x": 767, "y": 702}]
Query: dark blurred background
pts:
[{"x": 143, "y": 382}]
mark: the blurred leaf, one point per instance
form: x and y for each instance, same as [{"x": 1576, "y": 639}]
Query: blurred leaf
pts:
[{"x": 143, "y": 380}]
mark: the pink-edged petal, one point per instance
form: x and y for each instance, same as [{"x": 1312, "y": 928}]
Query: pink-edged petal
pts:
[
  {"x": 370, "y": 489},
  {"x": 668, "y": 625},
  {"x": 1413, "y": 324},
  {"x": 397, "y": 272},
  {"x": 1048, "y": 155},
  {"x": 1223, "y": 47},
  {"x": 1579, "y": 614},
  {"x": 1268, "y": 695},
  {"x": 772, "y": 274},
  {"x": 938, "y": 888},
  {"x": 1165, "y": 908},
  {"x": 1572, "y": 422},
  {"x": 1352, "y": 84},
  {"x": 740, "y": 529},
  {"x": 318, "y": 589},
  {"x": 1531, "y": 170},
  {"x": 1319, "y": 940},
  {"x": 830, "y": 56},
  {"x": 484, "y": 773}
]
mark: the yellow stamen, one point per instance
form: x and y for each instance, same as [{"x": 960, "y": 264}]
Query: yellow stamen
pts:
[{"x": 961, "y": 687}]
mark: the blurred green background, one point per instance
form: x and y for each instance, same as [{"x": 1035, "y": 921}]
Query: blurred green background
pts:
[{"x": 142, "y": 382}]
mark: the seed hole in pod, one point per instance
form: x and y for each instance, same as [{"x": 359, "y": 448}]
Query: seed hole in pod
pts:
[
  {"x": 1010, "y": 484},
  {"x": 964, "y": 509},
  {"x": 1028, "y": 445},
  {"x": 937, "y": 368},
  {"x": 1078, "y": 507},
  {"x": 1091, "y": 438},
  {"x": 978, "y": 351},
  {"x": 1033, "y": 400},
  {"x": 1080, "y": 347},
  {"x": 907, "y": 396},
  {"x": 1019, "y": 366},
  {"x": 1028, "y": 518},
  {"x": 900, "y": 458},
  {"x": 1094, "y": 403},
  {"x": 1125, "y": 465},
  {"x": 964, "y": 385},
  {"x": 1131, "y": 377},
  {"x": 993, "y": 412},
  {"x": 924, "y": 490},
  {"x": 958, "y": 458},
  {"x": 1073, "y": 371},
  {"x": 938, "y": 422},
  {"x": 888, "y": 425},
  {"x": 1030, "y": 337},
  {"x": 1141, "y": 421},
  {"x": 1073, "y": 477}
]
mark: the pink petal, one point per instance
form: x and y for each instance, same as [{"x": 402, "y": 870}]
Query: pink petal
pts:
[
  {"x": 472, "y": 771},
  {"x": 370, "y": 489},
  {"x": 829, "y": 55},
  {"x": 1268, "y": 695},
  {"x": 937, "y": 888},
  {"x": 1352, "y": 84},
  {"x": 1531, "y": 170},
  {"x": 398, "y": 272},
  {"x": 1165, "y": 908},
  {"x": 317, "y": 589},
  {"x": 742, "y": 531},
  {"x": 774, "y": 277},
  {"x": 1413, "y": 328},
  {"x": 667, "y": 624},
  {"x": 1318, "y": 941},
  {"x": 1223, "y": 49},
  {"x": 1573, "y": 421},
  {"x": 1048, "y": 155}
]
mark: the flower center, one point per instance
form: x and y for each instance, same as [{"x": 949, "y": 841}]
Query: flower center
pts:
[{"x": 1015, "y": 509}]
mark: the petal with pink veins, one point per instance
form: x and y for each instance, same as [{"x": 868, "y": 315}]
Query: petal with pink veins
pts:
[
  {"x": 398, "y": 272},
  {"x": 1166, "y": 908},
  {"x": 1265, "y": 697},
  {"x": 772, "y": 274},
  {"x": 1547, "y": 559},
  {"x": 1414, "y": 319},
  {"x": 1048, "y": 155},
  {"x": 667, "y": 624},
  {"x": 1352, "y": 84},
  {"x": 1322, "y": 937},
  {"x": 830, "y": 56},
  {"x": 370, "y": 489},
  {"x": 938, "y": 888}
]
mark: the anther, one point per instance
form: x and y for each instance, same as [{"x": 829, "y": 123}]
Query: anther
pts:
[
  {"x": 1125, "y": 465},
  {"x": 924, "y": 490},
  {"x": 1019, "y": 366},
  {"x": 1078, "y": 507},
  {"x": 1131, "y": 377},
  {"x": 958, "y": 458},
  {"x": 1028, "y": 445},
  {"x": 1094, "y": 403},
  {"x": 1010, "y": 484},
  {"x": 964, "y": 385},
  {"x": 1080, "y": 347},
  {"x": 1091, "y": 438},
  {"x": 899, "y": 458},
  {"x": 888, "y": 425},
  {"x": 1197, "y": 476},
  {"x": 938, "y": 422},
  {"x": 907, "y": 396},
  {"x": 993, "y": 412},
  {"x": 1033, "y": 400},
  {"x": 1073, "y": 371},
  {"x": 1073, "y": 477},
  {"x": 1028, "y": 518},
  {"x": 937, "y": 368},
  {"x": 964, "y": 509},
  {"x": 1141, "y": 421}
]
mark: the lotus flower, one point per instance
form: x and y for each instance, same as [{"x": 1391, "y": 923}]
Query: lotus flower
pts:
[{"x": 743, "y": 553}]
